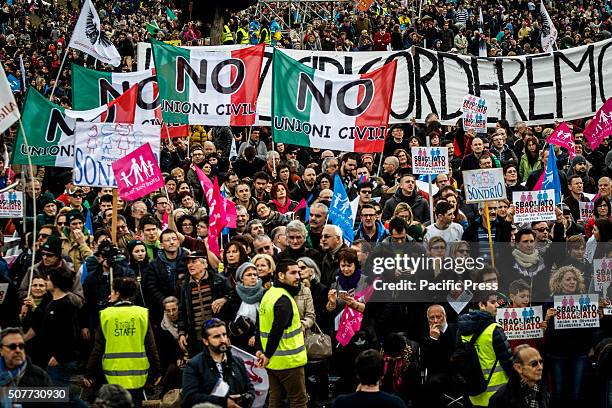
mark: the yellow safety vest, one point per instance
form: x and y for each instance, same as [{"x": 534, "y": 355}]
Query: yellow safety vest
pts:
[
  {"x": 227, "y": 34},
  {"x": 125, "y": 359},
  {"x": 264, "y": 36},
  {"x": 486, "y": 355},
  {"x": 245, "y": 36},
  {"x": 291, "y": 351}
]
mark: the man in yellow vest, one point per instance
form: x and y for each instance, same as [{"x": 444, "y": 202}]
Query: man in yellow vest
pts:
[
  {"x": 492, "y": 346},
  {"x": 242, "y": 34},
  {"x": 282, "y": 338},
  {"x": 228, "y": 37},
  {"x": 124, "y": 346}
]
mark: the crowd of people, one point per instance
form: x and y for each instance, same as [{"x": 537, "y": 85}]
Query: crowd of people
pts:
[{"x": 285, "y": 277}]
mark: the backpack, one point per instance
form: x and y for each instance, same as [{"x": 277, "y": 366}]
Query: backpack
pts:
[{"x": 465, "y": 367}]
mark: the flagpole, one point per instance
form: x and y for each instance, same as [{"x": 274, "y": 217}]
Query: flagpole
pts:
[
  {"x": 489, "y": 233},
  {"x": 431, "y": 209},
  {"x": 59, "y": 73},
  {"x": 25, "y": 142}
]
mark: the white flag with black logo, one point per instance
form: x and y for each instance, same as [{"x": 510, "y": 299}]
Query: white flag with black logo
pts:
[
  {"x": 9, "y": 113},
  {"x": 89, "y": 37},
  {"x": 549, "y": 32}
]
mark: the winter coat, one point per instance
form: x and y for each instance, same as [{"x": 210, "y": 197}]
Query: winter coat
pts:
[
  {"x": 510, "y": 396},
  {"x": 160, "y": 282},
  {"x": 201, "y": 375},
  {"x": 418, "y": 205}
]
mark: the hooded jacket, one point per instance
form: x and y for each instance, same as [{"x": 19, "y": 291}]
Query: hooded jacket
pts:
[
  {"x": 418, "y": 205},
  {"x": 476, "y": 322}
]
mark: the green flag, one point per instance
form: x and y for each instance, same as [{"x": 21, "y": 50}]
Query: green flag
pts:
[
  {"x": 152, "y": 27},
  {"x": 170, "y": 13},
  {"x": 50, "y": 131}
]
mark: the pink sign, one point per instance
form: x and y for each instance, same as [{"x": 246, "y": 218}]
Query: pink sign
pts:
[
  {"x": 138, "y": 173},
  {"x": 562, "y": 136},
  {"x": 600, "y": 126}
]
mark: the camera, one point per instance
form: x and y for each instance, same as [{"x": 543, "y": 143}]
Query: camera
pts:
[
  {"x": 108, "y": 251},
  {"x": 246, "y": 400}
]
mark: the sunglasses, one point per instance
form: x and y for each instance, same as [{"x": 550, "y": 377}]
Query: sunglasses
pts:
[
  {"x": 43, "y": 236},
  {"x": 77, "y": 195},
  {"x": 541, "y": 229},
  {"x": 535, "y": 363},
  {"x": 49, "y": 254},
  {"x": 15, "y": 346}
]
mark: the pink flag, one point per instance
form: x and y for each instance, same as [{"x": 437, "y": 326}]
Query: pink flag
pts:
[
  {"x": 301, "y": 204},
  {"x": 138, "y": 173},
  {"x": 600, "y": 126},
  {"x": 562, "y": 136},
  {"x": 165, "y": 221}
]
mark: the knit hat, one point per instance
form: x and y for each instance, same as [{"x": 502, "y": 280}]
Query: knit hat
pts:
[
  {"x": 45, "y": 199},
  {"x": 132, "y": 244},
  {"x": 53, "y": 245},
  {"x": 74, "y": 215},
  {"x": 242, "y": 269},
  {"x": 578, "y": 159}
]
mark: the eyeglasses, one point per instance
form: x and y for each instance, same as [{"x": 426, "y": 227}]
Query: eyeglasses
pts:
[
  {"x": 543, "y": 229},
  {"x": 535, "y": 363},
  {"x": 264, "y": 248},
  {"x": 42, "y": 236},
  {"x": 295, "y": 238},
  {"x": 438, "y": 247},
  {"x": 368, "y": 215},
  {"x": 170, "y": 239},
  {"x": 366, "y": 191},
  {"x": 15, "y": 346},
  {"x": 49, "y": 254}
]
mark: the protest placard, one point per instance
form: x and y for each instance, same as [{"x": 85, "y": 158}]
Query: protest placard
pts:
[
  {"x": 429, "y": 160},
  {"x": 11, "y": 204},
  {"x": 521, "y": 322},
  {"x": 530, "y": 206},
  {"x": 576, "y": 311},
  {"x": 586, "y": 210},
  {"x": 484, "y": 185},
  {"x": 602, "y": 273},
  {"x": 138, "y": 173},
  {"x": 474, "y": 113},
  {"x": 99, "y": 145}
]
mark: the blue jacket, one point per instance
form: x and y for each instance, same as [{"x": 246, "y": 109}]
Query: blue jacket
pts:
[{"x": 381, "y": 233}]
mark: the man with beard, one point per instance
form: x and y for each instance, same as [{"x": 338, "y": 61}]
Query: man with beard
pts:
[
  {"x": 580, "y": 168},
  {"x": 244, "y": 198},
  {"x": 318, "y": 216},
  {"x": 306, "y": 187},
  {"x": 282, "y": 338},
  {"x": 215, "y": 368}
]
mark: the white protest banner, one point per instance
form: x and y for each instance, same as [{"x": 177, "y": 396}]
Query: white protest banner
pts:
[
  {"x": 602, "y": 273},
  {"x": 576, "y": 311},
  {"x": 521, "y": 322},
  {"x": 586, "y": 210},
  {"x": 429, "y": 160},
  {"x": 258, "y": 376},
  {"x": 98, "y": 145},
  {"x": 533, "y": 206},
  {"x": 536, "y": 89},
  {"x": 484, "y": 185},
  {"x": 11, "y": 204}
]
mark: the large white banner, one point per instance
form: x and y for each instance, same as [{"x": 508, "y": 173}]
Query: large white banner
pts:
[
  {"x": 563, "y": 85},
  {"x": 98, "y": 145}
]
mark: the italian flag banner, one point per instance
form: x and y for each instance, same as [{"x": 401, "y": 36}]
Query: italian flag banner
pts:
[
  {"x": 92, "y": 89},
  {"x": 50, "y": 127},
  {"x": 202, "y": 87},
  {"x": 332, "y": 111}
]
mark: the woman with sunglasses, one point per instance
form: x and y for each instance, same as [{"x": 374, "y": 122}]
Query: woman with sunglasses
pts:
[
  {"x": 601, "y": 209},
  {"x": 568, "y": 365}
]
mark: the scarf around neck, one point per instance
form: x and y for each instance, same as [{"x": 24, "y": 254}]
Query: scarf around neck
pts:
[
  {"x": 11, "y": 377},
  {"x": 250, "y": 294},
  {"x": 169, "y": 326},
  {"x": 348, "y": 282},
  {"x": 282, "y": 208},
  {"x": 526, "y": 260}
]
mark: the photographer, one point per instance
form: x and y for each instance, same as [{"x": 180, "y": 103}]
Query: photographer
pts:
[
  {"x": 215, "y": 375},
  {"x": 97, "y": 285}
]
